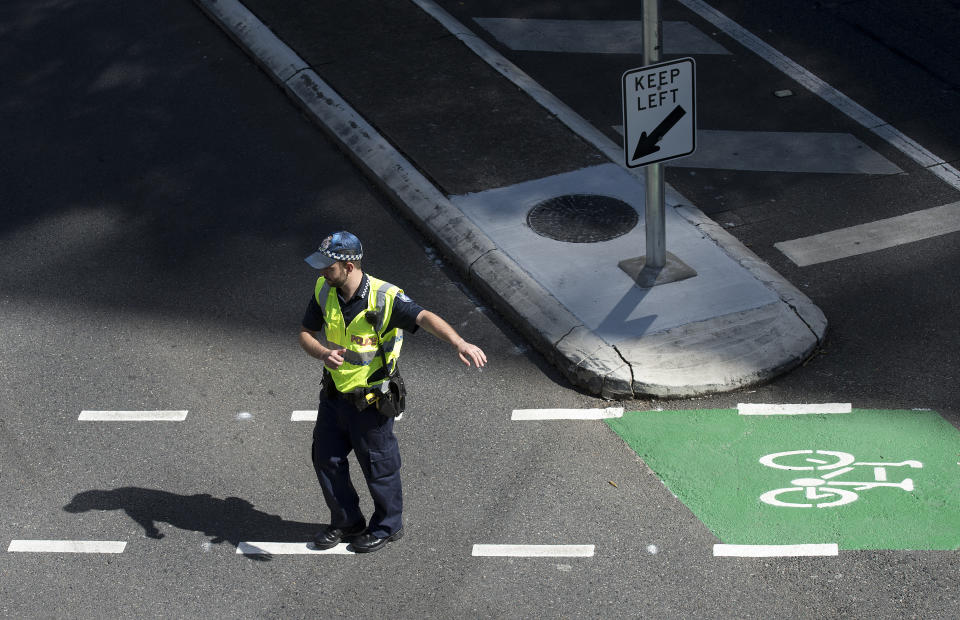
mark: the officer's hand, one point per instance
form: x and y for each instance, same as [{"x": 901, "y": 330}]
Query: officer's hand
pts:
[
  {"x": 472, "y": 352},
  {"x": 334, "y": 359}
]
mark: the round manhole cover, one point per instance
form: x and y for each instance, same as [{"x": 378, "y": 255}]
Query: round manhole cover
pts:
[{"x": 582, "y": 218}]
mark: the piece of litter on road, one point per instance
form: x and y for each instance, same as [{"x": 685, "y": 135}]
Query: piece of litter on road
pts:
[
  {"x": 614, "y": 484},
  {"x": 783, "y": 93}
]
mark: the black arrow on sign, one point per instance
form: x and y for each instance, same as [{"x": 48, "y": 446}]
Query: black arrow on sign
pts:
[{"x": 648, "y": 143}]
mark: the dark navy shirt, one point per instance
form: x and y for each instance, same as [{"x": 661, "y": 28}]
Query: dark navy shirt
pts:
[{"x": 404, "y": 315}]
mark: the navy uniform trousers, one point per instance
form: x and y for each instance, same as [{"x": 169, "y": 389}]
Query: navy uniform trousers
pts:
[{"x": 341, "y": 428}]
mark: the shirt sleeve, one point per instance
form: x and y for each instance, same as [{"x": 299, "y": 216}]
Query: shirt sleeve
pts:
[
  {"x": 313, "y": 317},
  {"x": 404, "y": 315}
]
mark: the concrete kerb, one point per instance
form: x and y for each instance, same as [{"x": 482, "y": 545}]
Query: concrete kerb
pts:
[
  {"x": 719, "y": 354},
  {"x": 456, "y": 236},
  {"x": 254, "y": 37},
  {"x": 584, "y": 359},
  {"x": 806, "y": 310}
]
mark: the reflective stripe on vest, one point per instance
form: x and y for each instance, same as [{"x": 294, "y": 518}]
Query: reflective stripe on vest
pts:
[{"x": 361, "y": 339}]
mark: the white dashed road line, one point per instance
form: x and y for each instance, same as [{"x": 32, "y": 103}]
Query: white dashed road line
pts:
[
  {"x": 873, "y": 236},
  {"x": 774, "y": 551},
  {"x": 66, "y": 546},
  {"x": 133, "y": 416},
  {"x": 567, "y": 414},
  {"x": 534, "y": 551},
  {"x": 278, "y": 548},
  {"x": 764, "y": 409}
]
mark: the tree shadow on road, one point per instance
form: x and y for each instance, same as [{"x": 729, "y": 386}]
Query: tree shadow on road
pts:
[{"x": 231, "y": 520}]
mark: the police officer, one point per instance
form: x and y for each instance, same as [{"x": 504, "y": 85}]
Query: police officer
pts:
[{"x": 364, "y": 320}]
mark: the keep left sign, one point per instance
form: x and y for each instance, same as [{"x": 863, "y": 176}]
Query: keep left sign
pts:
[{"x": 659, "y": 112}]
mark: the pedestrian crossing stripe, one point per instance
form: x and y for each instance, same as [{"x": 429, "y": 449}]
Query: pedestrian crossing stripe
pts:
[
  {"x": 285, "y": 548},
  {"x": 873, "y": 236},
  {"x": 591, "y": 36},
  {"x": 807, "y": 152}
]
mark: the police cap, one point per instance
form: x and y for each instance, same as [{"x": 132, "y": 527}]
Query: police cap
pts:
[{"x": 336, "y": 247}]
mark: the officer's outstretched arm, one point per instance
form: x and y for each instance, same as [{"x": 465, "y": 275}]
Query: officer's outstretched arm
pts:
[{"x": 442, "y": 330}]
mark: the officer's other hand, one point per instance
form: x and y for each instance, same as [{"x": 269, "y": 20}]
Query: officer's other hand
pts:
[
  {"x": 471, "y": 352},
  {"x": 334, "y": 359}
]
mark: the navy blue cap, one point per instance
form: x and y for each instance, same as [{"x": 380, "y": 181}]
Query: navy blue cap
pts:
[{"x": 336, "y": 247}]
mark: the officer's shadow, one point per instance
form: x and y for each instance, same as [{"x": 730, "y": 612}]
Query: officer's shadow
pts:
[{"x": 231, "y": 520}]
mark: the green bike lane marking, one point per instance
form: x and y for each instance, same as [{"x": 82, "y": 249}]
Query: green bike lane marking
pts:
[{"x": 868, "y": 479}]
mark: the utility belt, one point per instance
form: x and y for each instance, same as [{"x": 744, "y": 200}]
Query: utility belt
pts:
[{"x": 389, "y": 397}]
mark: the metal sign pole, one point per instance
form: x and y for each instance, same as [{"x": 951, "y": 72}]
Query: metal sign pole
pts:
[
  {"x": 655, "y": 210},
  {"x": 655, "y": 99}
]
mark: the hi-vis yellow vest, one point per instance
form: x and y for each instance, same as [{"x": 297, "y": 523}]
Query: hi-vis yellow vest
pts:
[{"x": 360, "y": 338}]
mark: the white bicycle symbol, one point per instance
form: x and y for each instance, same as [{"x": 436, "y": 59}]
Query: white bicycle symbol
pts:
[{"x": 812, "y": 490}]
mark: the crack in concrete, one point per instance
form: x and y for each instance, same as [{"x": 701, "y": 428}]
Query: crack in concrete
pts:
[
  {"x": 630, "y": 366},
  {"x": 470, "y": 266},
  {"x": 557, "y": 343},
  {"x": 803, "y": 320}
]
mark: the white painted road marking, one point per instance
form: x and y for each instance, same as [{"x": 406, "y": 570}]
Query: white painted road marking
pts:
[
  {"x": 66, "y": 546},
  {"x": 567, "y": 414},
  {"x": 304, "y": 416},
  {"x": 133, "y": 416},
  {"x": 765, "y": 409},
  {"x": 534, "y": 551},
  {"x": 774, "y": 551},
  {"x": 784, "y": 151},
  {"x": 595, "y": 36},
  {"x": 873, "y": 236},
  {"x": 278, "y": 548},
  {"x": 897, "y": 139}
]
